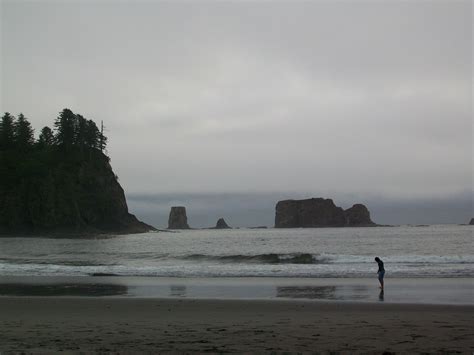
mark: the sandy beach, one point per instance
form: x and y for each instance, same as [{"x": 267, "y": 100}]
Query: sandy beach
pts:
[{"x": 123, "y": 325}]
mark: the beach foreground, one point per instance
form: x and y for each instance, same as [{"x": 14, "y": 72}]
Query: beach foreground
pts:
[{"x": 121, "y": 325}]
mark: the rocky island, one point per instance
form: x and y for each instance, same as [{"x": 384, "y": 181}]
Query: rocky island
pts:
[
  {"x": 60, "y": 183},
  {"x": 177, "y": 218},
  {"x": 320, "y": 212},
  {"x": 221, "y": 224}
]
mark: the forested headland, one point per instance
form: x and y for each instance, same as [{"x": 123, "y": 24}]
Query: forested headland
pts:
[{"x": 61, "y": 182}]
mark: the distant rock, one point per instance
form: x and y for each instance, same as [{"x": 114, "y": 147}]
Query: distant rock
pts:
[
  {"x": 314, "y": 212},
  {"x": 221, "y": 224},
  {"x": 472, "y": 222},
  {"x": 319, "y": 212},
  {"x": 178, "y": 218},
  {"x": 358, "y": 215}
]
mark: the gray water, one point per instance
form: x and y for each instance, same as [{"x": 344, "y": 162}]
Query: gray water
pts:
[{"x": 408, "y": 251}]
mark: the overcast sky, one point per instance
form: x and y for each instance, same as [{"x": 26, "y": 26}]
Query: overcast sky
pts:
[{"x": 356, "y": 100}]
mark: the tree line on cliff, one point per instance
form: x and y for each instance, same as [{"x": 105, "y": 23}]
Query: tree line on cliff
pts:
[
  {"x": 71, "y": 131},
  {"x": 60, "y": 181}
]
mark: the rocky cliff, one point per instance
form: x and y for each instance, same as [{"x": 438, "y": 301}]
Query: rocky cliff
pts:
[
  {"x": 472, "y": 222},
  {"x": 51, "y": 191},
  {"x": 178, "y": 218},
  {"x": 319, "y": 212}
]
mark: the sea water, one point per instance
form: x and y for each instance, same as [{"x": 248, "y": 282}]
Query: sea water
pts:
[{"x": 407, "y": 251}]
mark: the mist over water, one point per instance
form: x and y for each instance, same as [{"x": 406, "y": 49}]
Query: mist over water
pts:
[{"x": 428, "y": 251}]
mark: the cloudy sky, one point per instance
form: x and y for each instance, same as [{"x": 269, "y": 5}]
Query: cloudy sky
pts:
[{"x": 232, "y": 105}]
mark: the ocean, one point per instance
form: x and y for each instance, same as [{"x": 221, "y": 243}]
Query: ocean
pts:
[{"x": 436, "y": 251}]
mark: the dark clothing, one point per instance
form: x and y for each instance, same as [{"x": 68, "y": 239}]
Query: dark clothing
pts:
[{"x": 380, "y": 263}]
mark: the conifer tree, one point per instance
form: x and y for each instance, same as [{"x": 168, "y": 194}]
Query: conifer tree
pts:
[
  {"x": 23, "y": 133},
  {"x": 46, "y": 137},
  {"x": 92, "y": 135},
  {"x": 80, "y": 132},
  {"x": 102, "y": 138},
  {"x": 65, "y": 129},
  {"x": 7, "y": 131}
]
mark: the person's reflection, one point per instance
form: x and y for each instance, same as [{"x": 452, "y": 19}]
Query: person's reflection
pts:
[
  {"x": 177, "y": 291},
  {"x": 381, "y": 296}
]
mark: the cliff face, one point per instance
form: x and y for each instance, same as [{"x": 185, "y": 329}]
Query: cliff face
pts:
[
  {"x": 178, "y": 218},
  {"x": 319, "y": 212},
  {"x": 58, "y": 192}
]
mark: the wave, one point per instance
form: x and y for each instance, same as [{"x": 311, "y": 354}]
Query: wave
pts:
[
  {"x": 233, "y": 270},
  {"x": 50, "y": 261},
  {"x": 157, "y": 259},
  {"x": 308, "y": 258},
  {"x": 403, "y": 259},
  {"x": 271, "y": 258}
]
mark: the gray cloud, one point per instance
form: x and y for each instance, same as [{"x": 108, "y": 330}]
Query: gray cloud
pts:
[{"x": 346, "y": 97}]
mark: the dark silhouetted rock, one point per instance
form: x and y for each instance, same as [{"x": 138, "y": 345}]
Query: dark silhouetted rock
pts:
[
  {"x": 70, "y": 193},
  {"x": 178, "y": 218},
  {"x": 319, "y": 212},
  {"x": 358, "y": 216},
  {"x": 221, "y": 224},
  {"x": 314, "y": 212},
  {"x": 472, "y": 222}
]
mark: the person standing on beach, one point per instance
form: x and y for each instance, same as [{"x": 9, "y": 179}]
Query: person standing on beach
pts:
[{"x": 381, "y": 271}]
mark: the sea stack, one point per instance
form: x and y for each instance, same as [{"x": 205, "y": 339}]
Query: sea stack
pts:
[
  {"x": 221, "y": 224},
  {"x": 178, "y": 218},
  {"x": 62, "y": 183},
  {"x": 320, "y": 212},
  {"x": 472, "y": 222},
  {"x": 358, "y": 215}
]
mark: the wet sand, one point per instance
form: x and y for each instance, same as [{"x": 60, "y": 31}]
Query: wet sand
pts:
[
  {"x": 443, "y": 291},
  {"x": 124, "y": 325}
]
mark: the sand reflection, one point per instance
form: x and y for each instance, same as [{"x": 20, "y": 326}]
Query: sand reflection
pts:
[
  {"x": 177, "y": 291},
  {"x": 91, "y": 290},
  {"x": 346, "y": 293}
]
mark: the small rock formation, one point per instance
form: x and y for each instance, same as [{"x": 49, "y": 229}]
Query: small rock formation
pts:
[
  {"x": 221, "y": 224},
  {"x": 472, "y": 222},
  {"x": 178, "y": 218},
  {"x": 358, "y": 215},
  {"x": 319, "y": 212}
]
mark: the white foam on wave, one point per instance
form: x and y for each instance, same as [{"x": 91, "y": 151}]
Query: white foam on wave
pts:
[{"x": 241, "y": 270}]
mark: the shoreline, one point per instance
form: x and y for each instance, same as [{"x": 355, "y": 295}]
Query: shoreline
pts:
[
  {"x": 124, "y": 325},
  {"x": 91, "y": 233},
  {"x": 422, "y": 291}
]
